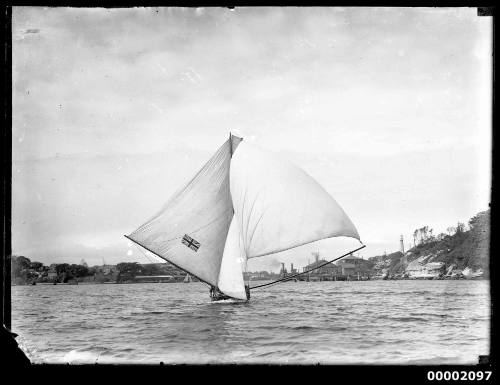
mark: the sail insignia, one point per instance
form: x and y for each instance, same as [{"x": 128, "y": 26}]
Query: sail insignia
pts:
[{"x": 190, "y": 242}]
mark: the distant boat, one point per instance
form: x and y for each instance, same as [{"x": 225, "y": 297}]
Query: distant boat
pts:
[
  {"x": 187, "y": 279},
  {"x": 244, "y": 203}
]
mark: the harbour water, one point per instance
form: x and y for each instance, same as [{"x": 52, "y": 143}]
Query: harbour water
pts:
[{"x": 366, "y": 322}]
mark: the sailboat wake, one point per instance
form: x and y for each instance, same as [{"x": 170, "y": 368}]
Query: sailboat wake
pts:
[{"x": 229, "y": 301}]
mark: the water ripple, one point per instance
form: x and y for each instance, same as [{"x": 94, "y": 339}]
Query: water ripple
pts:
[{"x": 328, "y": 322}]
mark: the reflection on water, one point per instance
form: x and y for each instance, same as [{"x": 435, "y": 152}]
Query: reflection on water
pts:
[{"x": 295, "y": 322}]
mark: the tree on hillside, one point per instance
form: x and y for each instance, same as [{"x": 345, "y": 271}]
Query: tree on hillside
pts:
[
  {"x": 36, "y": 266},
  {"x": 20, "y": 269},
  {"x": 19, "y": 265},
  {"x": 127, "y": 270},
  {"x": 78, "y": 270},
  {"x": 423, "y": 235},
  {"x": 451, "y": 230},
  {"x": 21, "y": 261},
  {"x": 460, "y": 228},
  {"x": 63, "y": 271},
  {"x": 481, "y": 219},
  {"x": 151, "y": 269},
  {"x": 62, "y": 268},
  {"x": 419, "y": 233}
]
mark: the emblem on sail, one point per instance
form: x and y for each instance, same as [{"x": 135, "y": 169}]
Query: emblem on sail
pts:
[
  {"x": 190, "y": 242},
  {"x": 244, "y": 203}
]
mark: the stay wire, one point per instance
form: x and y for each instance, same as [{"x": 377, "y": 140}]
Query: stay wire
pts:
[{"x": 143, "y": 253}]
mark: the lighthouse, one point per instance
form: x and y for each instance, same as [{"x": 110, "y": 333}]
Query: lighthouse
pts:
[{"x": 404, "y": 258}]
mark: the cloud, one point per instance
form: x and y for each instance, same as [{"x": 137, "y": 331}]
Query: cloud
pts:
[{"x": 113, "y": 109}]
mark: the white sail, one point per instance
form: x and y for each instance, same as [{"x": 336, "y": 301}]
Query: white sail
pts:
[
  {"x": 190, "y": 230},
  {"x": 231, "y": 280},
  {"x": 241, "y": 204},
  {"x": 278, "y": 206}
]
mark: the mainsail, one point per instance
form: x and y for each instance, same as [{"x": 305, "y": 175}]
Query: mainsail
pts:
[
  {"x": 242, "y": 204},
  {"x": 278, "y": 206},
  {"x": 190, "y": 230}
]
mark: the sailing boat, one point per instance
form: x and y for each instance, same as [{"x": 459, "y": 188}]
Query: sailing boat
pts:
[
  {"x": 187, "y": 279},
  {"x": 244, "y": 203}
]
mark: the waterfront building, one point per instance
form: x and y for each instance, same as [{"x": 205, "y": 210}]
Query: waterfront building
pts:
[
  {"x": 328, "y": 271},
  {"x": 353, "y": 266},
  {"x": 348, "y": 269},
  {"x": 259, "y": 275},
  {"x": 154, "y": 278},
  {"x": 108, "y": 269},
  {"x": 51, "y": 274},
  {"x": 160, "y": 269},
  {"x": 283, "y": 271},
  {"x": 352, "y": 260}
]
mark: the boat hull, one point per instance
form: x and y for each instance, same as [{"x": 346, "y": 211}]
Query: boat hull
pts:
[{"x": 217, "y": 295}]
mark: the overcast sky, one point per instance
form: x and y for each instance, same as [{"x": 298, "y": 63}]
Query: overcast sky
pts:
[{"x": 388, "y": 109}]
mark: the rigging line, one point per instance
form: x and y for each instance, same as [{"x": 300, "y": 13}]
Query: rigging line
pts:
[
  {"x": 307, "y": 271},
  {"x": 250, "y": 217},
  {"x": 143, "y": 253}
]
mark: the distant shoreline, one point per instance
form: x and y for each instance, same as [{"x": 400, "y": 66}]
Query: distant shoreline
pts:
[{"x": 132, "y": 283}]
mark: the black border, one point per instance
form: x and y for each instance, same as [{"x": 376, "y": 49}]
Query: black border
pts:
[{"x": 332, "y": 373}]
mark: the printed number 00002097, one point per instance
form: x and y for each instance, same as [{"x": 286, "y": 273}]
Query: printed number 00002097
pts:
[{"x": 458, "y": 375}]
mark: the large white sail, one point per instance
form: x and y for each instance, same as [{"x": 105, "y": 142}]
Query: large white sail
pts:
[
  {"x": 241, "y": 204},
  {"x": 230, "y": 280},
  {"x": 191, "y": 229},
  {"x": 278, "y": 206}
]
